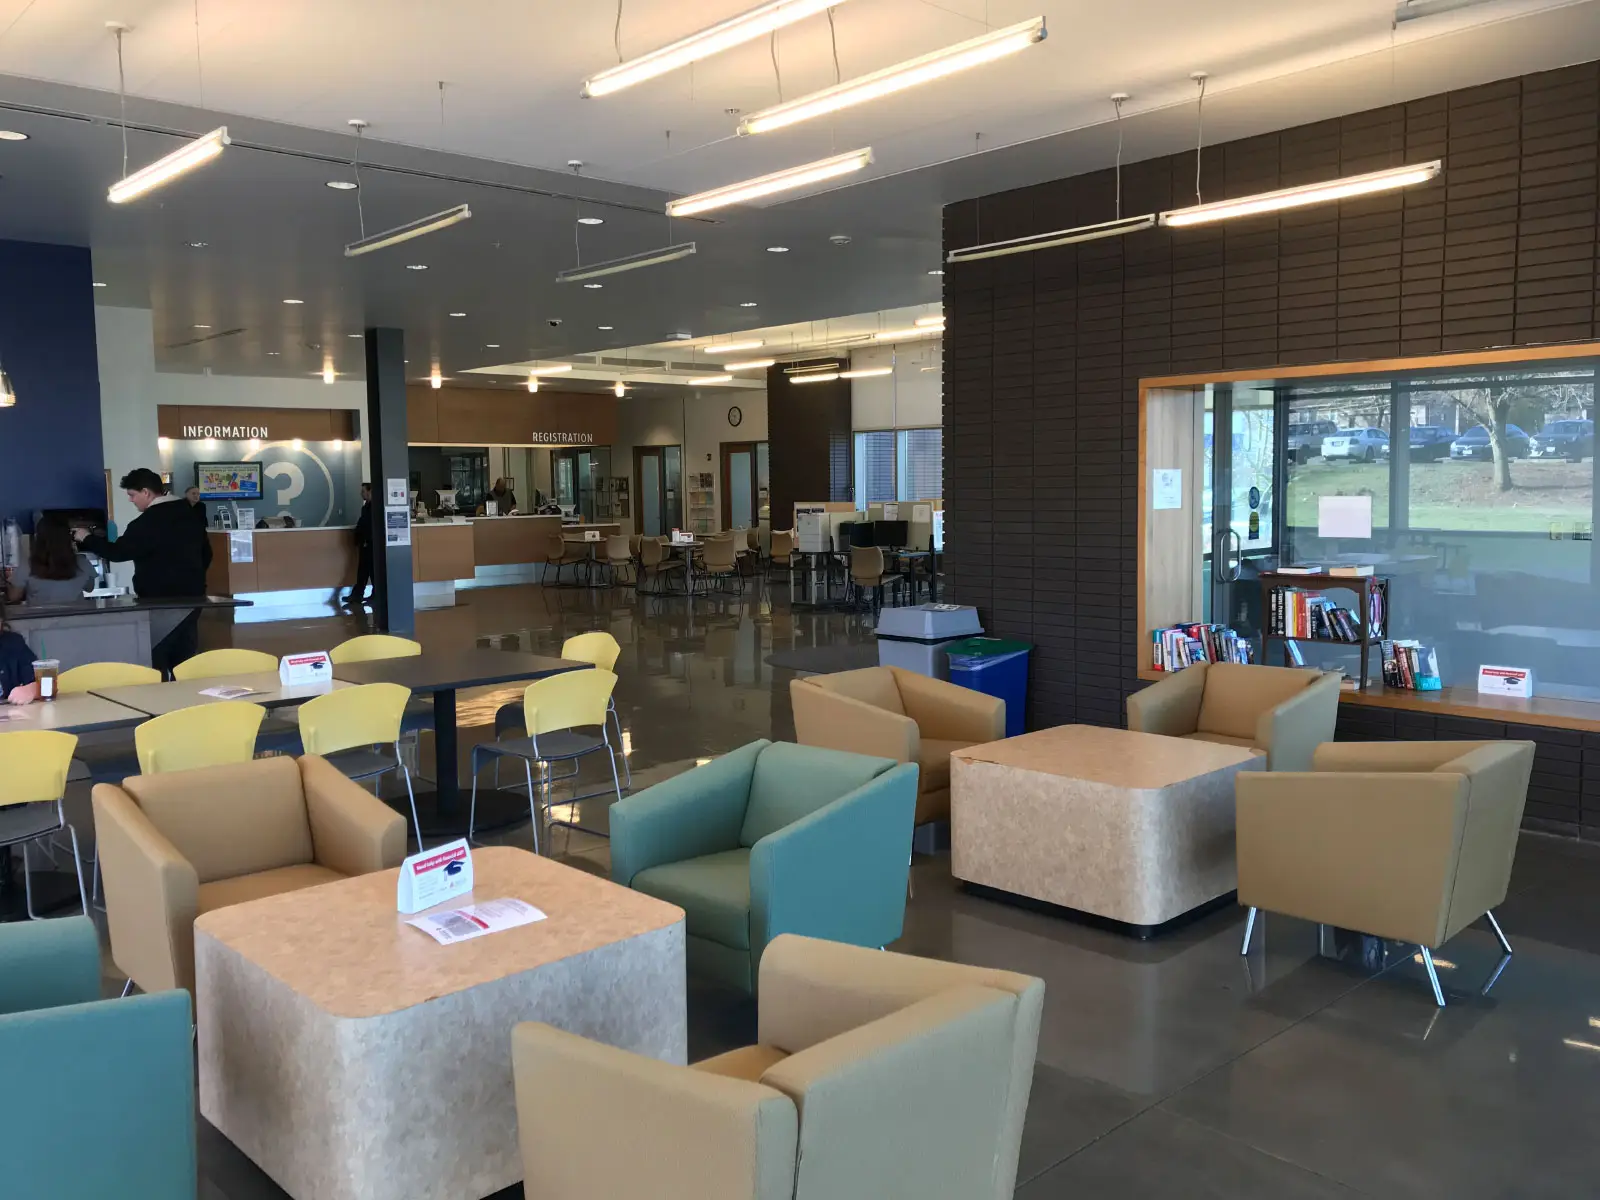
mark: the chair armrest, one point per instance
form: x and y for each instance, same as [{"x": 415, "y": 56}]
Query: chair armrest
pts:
[
  {"x": 691, "y": 1135},
  {"x": 1369, "y": 851},
  {"x": 840, "y": 872},
  {"x": 1171, "y": 707},
  {"x": 152, "y": 894},
  {"x": 947, "y": 712},
  {"x": 45, "y": 964},
  {"x": 352, "y": 831},
  {"x": 1389, "y": 756},
  {"x": 1291, "y": 732},
  {"x": 835, "y": 722},
  {"x": 100, "y": 1099},
  {"x": 698, "y": 812}
]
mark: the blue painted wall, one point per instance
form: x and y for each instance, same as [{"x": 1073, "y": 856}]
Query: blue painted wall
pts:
[{"x": 50, "y": 451}]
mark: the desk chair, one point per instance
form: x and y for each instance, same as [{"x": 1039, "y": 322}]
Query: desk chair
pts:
[
  {"x": 619, "y": 558},
  {"x": 868, "y": 574},
  {"x": 558, "y": 554},
  {"x": 33, "y": 782},
  {"x": 598, "y": 649},
  {"x": 780, "y": 550},
  {"x": 225, "y": 662},
  {"x": 553, "y": 710},
  {"x": 719, "y": 561},
  {"x": 207, "y": 735},
  {"x": 654, "y": 564},
  {"x": 90, "y": 676},
  {"x": 358, "y": 730}
]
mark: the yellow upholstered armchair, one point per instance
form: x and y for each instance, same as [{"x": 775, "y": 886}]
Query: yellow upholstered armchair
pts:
[
  {"x": 876, "y": 1075},
  {"x": 891, "y": 713},
  {"x": 1285, "y": 712},
  {"x": 1411, "y": 841}
]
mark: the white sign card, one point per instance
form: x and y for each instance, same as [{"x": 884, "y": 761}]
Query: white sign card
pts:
[
  {"x": 891, "y": 512},
  {"x": 397, "y": 526},
  {"x": 1166, "y": 488},
  {"x": 591, "y": 535},
  {"x": 311, "y": 667},
  {"x": 1344, "y": 516},
  {"x": 491, "y": 508},
  {"x": 434, "y": 876},
  {"x": 395, "y": 493},
  {"x": 1506, "y": 681},
  {"x": 463, "y": 924},
  {"x": 921, "y": 514},
  {"x": 247, "y": 517},
  {"x": 241, "y": 546}
]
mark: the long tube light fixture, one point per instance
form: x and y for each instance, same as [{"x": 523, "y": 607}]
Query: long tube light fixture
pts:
[
  {"x": 735, "y": 31},
  {"x": 411, "y": 229},
  {"x": 734, "y": 347},
  {"x": 815, "y": 377},
  {"x": 1061, "y": 237},
  {"x": 710, "y": 379},
  {"x": 754, "y": 364},
  {"x": 555, "y": 370},
  {"x": 1299, "y": 197},
  {"x": 767, "y": 185},
  {"x": 914, "y": 71},
  {"x": 185, "y": 158},
  {"x": 866, "y": 373},
  {"x": 900, "y": 335},
  {"x": 630, "y": 262}
]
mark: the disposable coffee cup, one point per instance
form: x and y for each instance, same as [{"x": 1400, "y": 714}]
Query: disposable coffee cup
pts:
[{"x": 46, "y": 673}]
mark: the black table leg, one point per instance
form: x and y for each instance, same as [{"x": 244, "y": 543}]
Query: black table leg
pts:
[{"x": 446, "y": 754}]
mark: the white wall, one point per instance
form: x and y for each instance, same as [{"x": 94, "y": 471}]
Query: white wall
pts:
[
  {"x": 698, "y": 423},
  {"x": 910, "y": 398}
]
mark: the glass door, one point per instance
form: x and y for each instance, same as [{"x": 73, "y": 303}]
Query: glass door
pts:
[
  {"x": 1241, "y": 519},
  {"x": 744, "y": 484},
  {"x": 658, "y": 480}
]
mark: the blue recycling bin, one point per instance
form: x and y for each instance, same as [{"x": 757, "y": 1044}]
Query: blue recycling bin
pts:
[{"x": 996, "y": 667}]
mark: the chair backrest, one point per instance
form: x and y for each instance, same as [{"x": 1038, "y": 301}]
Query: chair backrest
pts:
[
  {"x": 617, "y": 549},
  {"x": 230, "y": 820},
  {"x": 567, "y": 701},
  {"x": 635, "y": 541},
  {"x": 752, "y": 539},
  {"x": 206, "y": 735},
  {"x": 370, "y": 647},
  {"x": 782, "y": 543},
  {"x": 791, "y": 782},
  {"x": 1236, "y": 695},
  {"x": 720, "y": 554},
  {"x": 651, "y": 552},
  {"x": 866, "y": 565},
  {"x": 34, "y": 765},
  {"x": 555, "y": 548},
  {"x": 1497, "y": 781},
  {"x": 365, "y": 715},
  {"x": 598, "y": 649},
  {"x": 225, "y": 662},
  {"x": 104, "y": 675},
  {"x": 870, "y": 685}
]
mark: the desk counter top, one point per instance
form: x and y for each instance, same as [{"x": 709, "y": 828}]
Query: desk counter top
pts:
[{"x": 116, "y": 604}]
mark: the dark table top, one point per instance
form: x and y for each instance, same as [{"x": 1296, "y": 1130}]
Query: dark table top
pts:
[
  {"x": 118, "y": 604},
  {"x": 440, "y": 671}
]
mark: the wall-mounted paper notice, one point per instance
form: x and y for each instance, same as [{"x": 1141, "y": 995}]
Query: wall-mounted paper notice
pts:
[
  {"x": 1344, "y": 516},
  {"x": 1166, "y": 488}
]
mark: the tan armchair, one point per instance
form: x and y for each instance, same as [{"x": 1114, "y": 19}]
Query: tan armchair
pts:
[
  {"x": 1411, "y": 841},
  {"x": 891, "y": 713},
  {"x": 176, "y": 845},
  {"x": 1285, "y": 712},
  {"x": 876, "y": 1075}
]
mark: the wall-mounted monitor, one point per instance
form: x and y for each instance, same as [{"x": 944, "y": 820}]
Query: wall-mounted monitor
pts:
[{"x": 228, "y": 480}]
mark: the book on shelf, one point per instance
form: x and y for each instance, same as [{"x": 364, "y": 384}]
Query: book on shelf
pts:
[
  {"x": 1180, "y": 646},
  {"x": 1307, "y": 570},
  {"x": 1312, "y": 615},
  {"x": 1409, "y": 665}
]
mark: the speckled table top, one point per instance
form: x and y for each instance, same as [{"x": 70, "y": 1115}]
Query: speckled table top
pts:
[{"x": 1100, "y": 754}]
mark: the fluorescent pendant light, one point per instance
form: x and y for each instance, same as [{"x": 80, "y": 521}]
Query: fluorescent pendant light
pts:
[
  {"x": 533, "y": 383},
  {"x": 632, "y": 262},
  {"x": 1299, "y": 197},
  {"x": 734, "y": 347},
  {"x": 724, "y": 35},
  {"x": 900, "y": 335},
  {"x": 924, "y": 69},
  {"x": 185, "y": 158},
  {"x": 555, "y": 370},
  {"x": 412, "y": 229},
  {"x": 815, "y": 377},
  {"x": 866, "y": 373},
  {"x": 328, "y": 374},
  {"x": 767, "y": 185},
  {"x": 754, "y": 364},
  {"x": 1044, "y": 241},
  {"x": 710, "y": 379},
  {"x": 925, "y": 322}
]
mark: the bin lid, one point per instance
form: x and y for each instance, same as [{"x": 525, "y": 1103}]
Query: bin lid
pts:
[
  {"x": 986, "y": 647},
  {"x": 929, "y": 622}
]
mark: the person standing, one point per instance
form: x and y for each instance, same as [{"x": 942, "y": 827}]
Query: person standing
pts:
[
  {"x": 192, "y": 497},
  {"x": 505, "y": 500},
  {"x": 358, "y": 594},
  {"x": 170, "y": 553}
]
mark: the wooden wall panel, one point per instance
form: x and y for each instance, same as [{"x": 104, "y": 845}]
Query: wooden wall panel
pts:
[
  {"x": 810, "y": 439},
  {"x": 458, "y": 416}
]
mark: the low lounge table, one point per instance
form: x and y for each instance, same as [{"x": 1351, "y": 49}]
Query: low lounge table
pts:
[
  {"x": 1134, "y": 828},
  {"x": 353, "y": 1058}
]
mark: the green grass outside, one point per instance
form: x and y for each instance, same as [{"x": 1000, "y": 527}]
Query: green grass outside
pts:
[{"x": 1455, "y": 495}]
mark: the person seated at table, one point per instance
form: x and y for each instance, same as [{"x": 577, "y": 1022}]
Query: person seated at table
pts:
[
  {"x": 505, "y": 500},
  {"x": 54, "y": 573},
  {"x": 16, "y": 666}
]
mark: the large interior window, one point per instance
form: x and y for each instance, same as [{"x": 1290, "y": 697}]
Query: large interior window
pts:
[
  {"x": 875, "y": 453},
  {"x": 899, "y": 464}
]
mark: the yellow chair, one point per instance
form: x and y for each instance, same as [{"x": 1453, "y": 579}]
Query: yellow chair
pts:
[
  {"x": 33, "y": 780},
  {"x": 225, "y": 662},
  {"x": 598, "y": 649},
  {"x": 105, "y": 675},
  {"x": 372, "y": 646},
  {"x": 553, "y": 710},
  {"x": 353, "y": 729},
  {"x": 207, "y": 735}
]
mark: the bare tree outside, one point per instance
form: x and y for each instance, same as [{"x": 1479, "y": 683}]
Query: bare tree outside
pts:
[{"x": 1492, "y": 407}]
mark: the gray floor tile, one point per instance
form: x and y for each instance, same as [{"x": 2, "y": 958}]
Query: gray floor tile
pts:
[{"x": 1066, "y": 1113}]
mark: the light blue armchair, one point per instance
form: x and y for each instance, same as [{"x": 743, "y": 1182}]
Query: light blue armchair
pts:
[
  {"x": 100, "y": 1093},
  {"x": 772, "y": 838}
]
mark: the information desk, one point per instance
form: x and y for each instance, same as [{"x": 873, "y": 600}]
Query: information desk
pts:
[{"x": 109, "y": 630}]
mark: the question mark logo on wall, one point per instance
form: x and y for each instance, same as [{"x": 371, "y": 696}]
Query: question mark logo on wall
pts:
[{"x": 293, "y": 485}]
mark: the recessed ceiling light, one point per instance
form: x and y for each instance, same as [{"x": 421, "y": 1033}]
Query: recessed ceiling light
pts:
[
  {"x": 294, "y": 301},
  {"x": 777, "y": 249},
  {"x": 458, "y": 314},
  {"x": 352, "y": 335},
  {"x": 272, "y": 354},
  {"x": 416, "y": 266},
  {"x": 202, "y": 327},
  {"x": 198, "y": 245},
  {"x": 97, "y": 283},
  {"x": 341, "y": 185},
  {"x": 11, "y": 135},
  {"x": 594, "y": 287},
  {"x": 491, "y": 345},
  {"x": 747, "y": 304},
  {"x": 606, "y": 328},
  {"x": 591, "y": 220}
]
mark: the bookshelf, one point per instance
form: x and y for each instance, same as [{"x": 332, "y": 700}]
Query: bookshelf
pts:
[{"x": 1275, "y": 584}]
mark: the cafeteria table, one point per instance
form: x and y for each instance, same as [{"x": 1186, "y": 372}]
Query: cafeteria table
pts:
[
  {"x": 441, "y": 674},
  {"x": 158, "y": 699}
]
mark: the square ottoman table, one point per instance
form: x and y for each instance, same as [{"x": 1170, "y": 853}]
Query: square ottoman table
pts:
[
  {"x": 350, "y": 1055},
  {"x": 1132, "y": 827}
]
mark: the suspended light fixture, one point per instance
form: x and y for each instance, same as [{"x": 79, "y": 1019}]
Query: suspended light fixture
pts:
[
  {"x": 704, "y": 379},
  {"x": 631, "y": 262},
  {"x": 754, "y": 364},
  {"x": 1061, "y": 237},
  {"x": 735, "y": 31},
  {"x": 867, "y": 373},
  {"x": 328, "y": 374},
  {"x": 185, "y": 158},
  {"x": 768, "y": 185},
  {"x": 618, "y": 390},
  {"x": 558, "y": 369},
  {"x": 925, "y": 69},
  {"x": 734, "y": 347},
  {"x": 533, "y": 383},
  {"x": 436, "y": 380},
  {"x": 1310, "y": 193},
  {"x": 8, "y": 392},
  {"x": 916, "y": 331},
  {"x": 411, "y": 229},
  {"x": 815, "y": 377},
  {"x": 924, "y": 322}
]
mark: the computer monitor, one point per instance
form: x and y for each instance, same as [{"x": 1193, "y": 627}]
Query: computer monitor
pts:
[
  {"x": 938, "y": 531},
  {"x": 859, "y": 533},
  {"x": 891, "y": 534}
]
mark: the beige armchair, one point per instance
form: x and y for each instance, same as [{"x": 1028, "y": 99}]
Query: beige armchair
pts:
[
  {"x": 176, "y": 845},
  {"x": 876, "y": 1075},
  {"x": 891, "y": 713},
  {"x": 1285, "y": 712},
  {"x": 1411, "y": 841}
]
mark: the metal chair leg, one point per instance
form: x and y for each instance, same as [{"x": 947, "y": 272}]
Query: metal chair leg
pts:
[
  {"x": 77, "y": 864},
  {"x": 627, "y": 770},
  {"x": 472, "y": 809},
  {"x": 1249, "y": 928},
  {"x": 533, "y": 804},
  {"x": 27, "y": 882},
  {"x": 1498, "y": 932},
  {"x": 126, "y": 988},
  {"x": 416, "y": 821},
  {"x": 1433, "y": 975}
]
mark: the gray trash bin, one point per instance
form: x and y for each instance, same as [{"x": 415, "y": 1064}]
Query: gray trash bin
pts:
[{"x": 914, "y": 638}]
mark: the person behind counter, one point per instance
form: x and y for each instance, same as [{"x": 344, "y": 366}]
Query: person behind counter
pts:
[
  {"x": 191, "y": 496},
  {"x": 54, "y": 572},
  {"x": 358, "y": 594},
  {"x": 16, "y": 666},
  {"x": 170, "y": 553},
  {"x": 505, "y": 500}
]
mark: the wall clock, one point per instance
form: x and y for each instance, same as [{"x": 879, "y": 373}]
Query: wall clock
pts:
[{"x": 735, "y": 416}]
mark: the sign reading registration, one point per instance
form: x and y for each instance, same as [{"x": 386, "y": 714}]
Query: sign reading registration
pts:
[{"x": 434, "y": 876}]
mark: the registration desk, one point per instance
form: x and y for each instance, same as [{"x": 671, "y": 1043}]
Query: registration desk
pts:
[{"x": 110, "y": 630}]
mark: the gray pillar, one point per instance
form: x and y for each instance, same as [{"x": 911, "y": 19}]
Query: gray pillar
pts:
[{"x": 386, "y": 430}]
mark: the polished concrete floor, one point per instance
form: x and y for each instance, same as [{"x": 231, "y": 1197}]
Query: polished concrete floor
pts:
[{"x": 1171, "y": 1068}]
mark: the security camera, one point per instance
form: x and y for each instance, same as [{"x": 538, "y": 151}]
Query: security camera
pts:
[{"x": 554, "y": 322}]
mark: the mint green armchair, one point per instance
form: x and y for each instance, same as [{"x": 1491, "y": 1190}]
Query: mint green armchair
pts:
[{"x": 772, "y": 838}]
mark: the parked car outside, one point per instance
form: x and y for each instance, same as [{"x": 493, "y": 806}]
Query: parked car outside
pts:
[
  {"x": 1356, "y": 445},
  {"x": 1305, "y": 439},
  {"x": 1569, "y": 439},
  {"x": 1474, "y": 443},
  {"x": 1430, "y": 442}
]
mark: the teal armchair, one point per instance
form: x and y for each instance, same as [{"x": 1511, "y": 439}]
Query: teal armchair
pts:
[
  {"x": 100, "y": 1093},
  {"x": 772, "y": 838}
]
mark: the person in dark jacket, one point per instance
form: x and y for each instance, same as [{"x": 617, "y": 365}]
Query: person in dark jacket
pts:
[
  {"x": 170, "y": 553},
  {"x": 358, "y": 594},
  {"x": 191, "y": 496},
  {"x": 16, "y": 666}
]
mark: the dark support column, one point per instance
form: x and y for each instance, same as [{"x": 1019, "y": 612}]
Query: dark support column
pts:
[
  {"x": 810, "y": 442},
  {"x": 387, "y": 442}
]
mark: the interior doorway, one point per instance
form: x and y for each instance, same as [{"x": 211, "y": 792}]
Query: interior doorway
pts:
[
  {"x": 746, "y": 495},
  {"x": 658, "y": 483}
]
